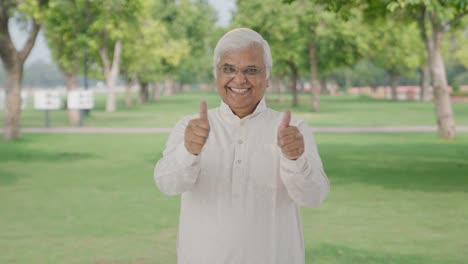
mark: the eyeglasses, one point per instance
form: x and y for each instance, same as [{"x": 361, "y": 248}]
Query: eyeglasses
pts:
[{"x": 230, "y": 71}]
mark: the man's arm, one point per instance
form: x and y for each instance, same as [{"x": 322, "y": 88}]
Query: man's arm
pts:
[
  {"x": 304, "y": 177},
  {"x": 177, "y": 171}
]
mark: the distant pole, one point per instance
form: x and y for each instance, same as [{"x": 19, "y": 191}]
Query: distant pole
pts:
[
  {"x": 47, "y": 119},
  {"x": 86, "y": 15},
  {"x": 86, "y": 73}
]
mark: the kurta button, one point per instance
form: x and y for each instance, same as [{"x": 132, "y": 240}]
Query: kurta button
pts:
[
  {"x": 239, "y": 161},
  {"x": 240, "y": 141}
]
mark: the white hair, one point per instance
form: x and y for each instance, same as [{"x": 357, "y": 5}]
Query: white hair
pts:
[{"x": 239, "y": 39}]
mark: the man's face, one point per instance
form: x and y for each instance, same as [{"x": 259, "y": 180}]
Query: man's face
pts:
[{"x": 241, "y": 79}]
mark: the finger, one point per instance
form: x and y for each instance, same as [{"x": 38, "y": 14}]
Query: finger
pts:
[
  {"x": 287, "y": 139},
  {"x": 293, "y": 146},
  {"x": 197, "y": 139},
  {"x": 286, "y": 119},
  {"x": 201, "y": 123},
  {"x": 293, "y": 155},
  {"x": 292, "y": 130},
  {"x": 203, "y": 111},
  {"x": 201, "y": 132}
]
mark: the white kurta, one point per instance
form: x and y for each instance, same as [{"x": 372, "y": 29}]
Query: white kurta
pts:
[{"x": 241, "y": 197}]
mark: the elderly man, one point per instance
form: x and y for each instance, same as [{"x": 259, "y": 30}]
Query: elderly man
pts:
[{"x": 243, "y": 169}]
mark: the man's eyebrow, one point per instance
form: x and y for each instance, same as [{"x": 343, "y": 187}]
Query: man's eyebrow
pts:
[
  {"x": 252, "y": 66},
  {"x": 227, "y": 64}
]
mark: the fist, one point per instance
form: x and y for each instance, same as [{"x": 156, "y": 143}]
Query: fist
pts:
[
  {"x": 197, "y": 131},
  {"x": 290, "y": 139}
]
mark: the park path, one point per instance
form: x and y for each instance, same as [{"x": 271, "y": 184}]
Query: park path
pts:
[{"x": 161, "y": 130}]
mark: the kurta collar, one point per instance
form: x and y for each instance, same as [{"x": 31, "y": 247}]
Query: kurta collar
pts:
[{"x": 227, "y": 112}]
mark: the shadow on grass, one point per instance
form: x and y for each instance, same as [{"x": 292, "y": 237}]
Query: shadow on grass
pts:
[
  {"x": 7, "y": 177},
  {"x": 19, "y": 151},
  {"x": 24, "y": 154},
  {"x": 328, "y": 253},
  {"x": 409, "y": 166}
]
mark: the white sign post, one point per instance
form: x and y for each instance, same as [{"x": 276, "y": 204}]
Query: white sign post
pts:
[
  {"x": 80, "y": 100},
  {"x": 47, "y": 100}
]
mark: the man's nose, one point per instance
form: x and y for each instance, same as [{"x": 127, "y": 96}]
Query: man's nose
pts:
[{"x": 240, "y": 77}]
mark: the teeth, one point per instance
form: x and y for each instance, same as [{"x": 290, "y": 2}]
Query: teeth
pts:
[{"x": 240, "y": 91}]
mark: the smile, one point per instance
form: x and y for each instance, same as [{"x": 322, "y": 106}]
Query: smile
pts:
[{"x": 239, "y": 91}]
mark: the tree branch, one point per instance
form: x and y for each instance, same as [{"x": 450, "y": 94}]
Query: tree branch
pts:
[
  {"x": 23, "y": 54},
  {"x": 458, "y": 17},
  {"x": 105, "y": 61},
  {"x": 8, "y": 51}
]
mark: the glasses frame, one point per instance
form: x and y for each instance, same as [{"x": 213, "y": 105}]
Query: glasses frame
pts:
[{"x": 241, "y": 70}]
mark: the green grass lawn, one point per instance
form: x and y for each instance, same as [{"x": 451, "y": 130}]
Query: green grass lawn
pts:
[
  {"x": 342, "y": 110},
  {"x": 395, "y": 198}
]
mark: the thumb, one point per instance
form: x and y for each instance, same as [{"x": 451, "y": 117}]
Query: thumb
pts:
[
  {"x": 286, "y": 119},
  {"x": 203, "y": 111}
]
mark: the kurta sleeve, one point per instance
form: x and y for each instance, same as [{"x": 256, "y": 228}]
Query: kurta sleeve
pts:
[
  {"x": 177, "y": 171},
  {"x": 304, "y": 178}
]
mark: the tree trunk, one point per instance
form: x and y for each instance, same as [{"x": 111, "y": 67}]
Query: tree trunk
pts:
[
  {"x": 425, "y": 70},
  {"x": 144, "y": 93},
  {"x": 13, "y": 61},
  {"x": 12, "y": 110},
  {"x": 347, "y": 79},
  {"x": 424, "y": 82},
  {"x": 130, "y": 82},
  {"x": 128, "y": 94},
  {"x": 282, "y": 89},
  {"x": 293, "y": 82},
  {"x": 177, "y": 87},
  {"x": 73, "y": 114},
  {"x": 443, "y": 105},
  {"x": 323, "y": 86},
  {"x": 156, "y": 92},
  {"x": 315, "y": 86},
  {"x": 111, "y": 73},
  {"x": 169, "y": 86},
  {"x": 394, "y": 80}
]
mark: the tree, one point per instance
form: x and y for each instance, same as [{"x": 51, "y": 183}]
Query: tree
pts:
[
  {"x": 150, "y": 49},
  {"x": 32, "y": 12},
  {"x": 396, "y": 48},
  {"x": 436, "y": 17},
  {"x": 304, "y": 37},
  {"x": 110, "y": 21},
  {"x": 278, "y": 24},
  {"x": 195, "y": 22},
  {"x": 65, "y": 33}
]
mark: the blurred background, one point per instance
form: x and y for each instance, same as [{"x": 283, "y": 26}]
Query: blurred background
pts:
[{"x": 89, "y": 90}]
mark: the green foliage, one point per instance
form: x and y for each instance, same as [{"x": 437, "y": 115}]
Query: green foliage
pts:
[
  {"x": 194, "y": 24},
  {"x": 396, "y": 47},
  {"x": 66, "y": 33},
  {"x": 290, "y": 29},
  {"x": 34, "y": 9},
  {"x": 149, "y": 47}
]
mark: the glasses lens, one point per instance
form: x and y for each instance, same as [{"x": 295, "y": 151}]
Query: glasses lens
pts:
[
  {"x": 229, "y": 70},
  {"x": 251, "y": 70}
]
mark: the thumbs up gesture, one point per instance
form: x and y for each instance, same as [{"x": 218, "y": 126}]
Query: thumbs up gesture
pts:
[
  {"x": 197, "y": 131},
  {"x": 290, "y": 139}
]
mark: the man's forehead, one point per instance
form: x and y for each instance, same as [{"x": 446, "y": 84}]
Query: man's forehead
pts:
[{"x": 245, "y": 56}]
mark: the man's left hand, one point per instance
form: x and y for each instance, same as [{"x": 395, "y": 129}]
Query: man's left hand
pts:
[{"x": 290, "y": 139}]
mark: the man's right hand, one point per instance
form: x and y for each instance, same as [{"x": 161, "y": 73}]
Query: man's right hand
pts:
[{"x": 197, "y": 131}]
